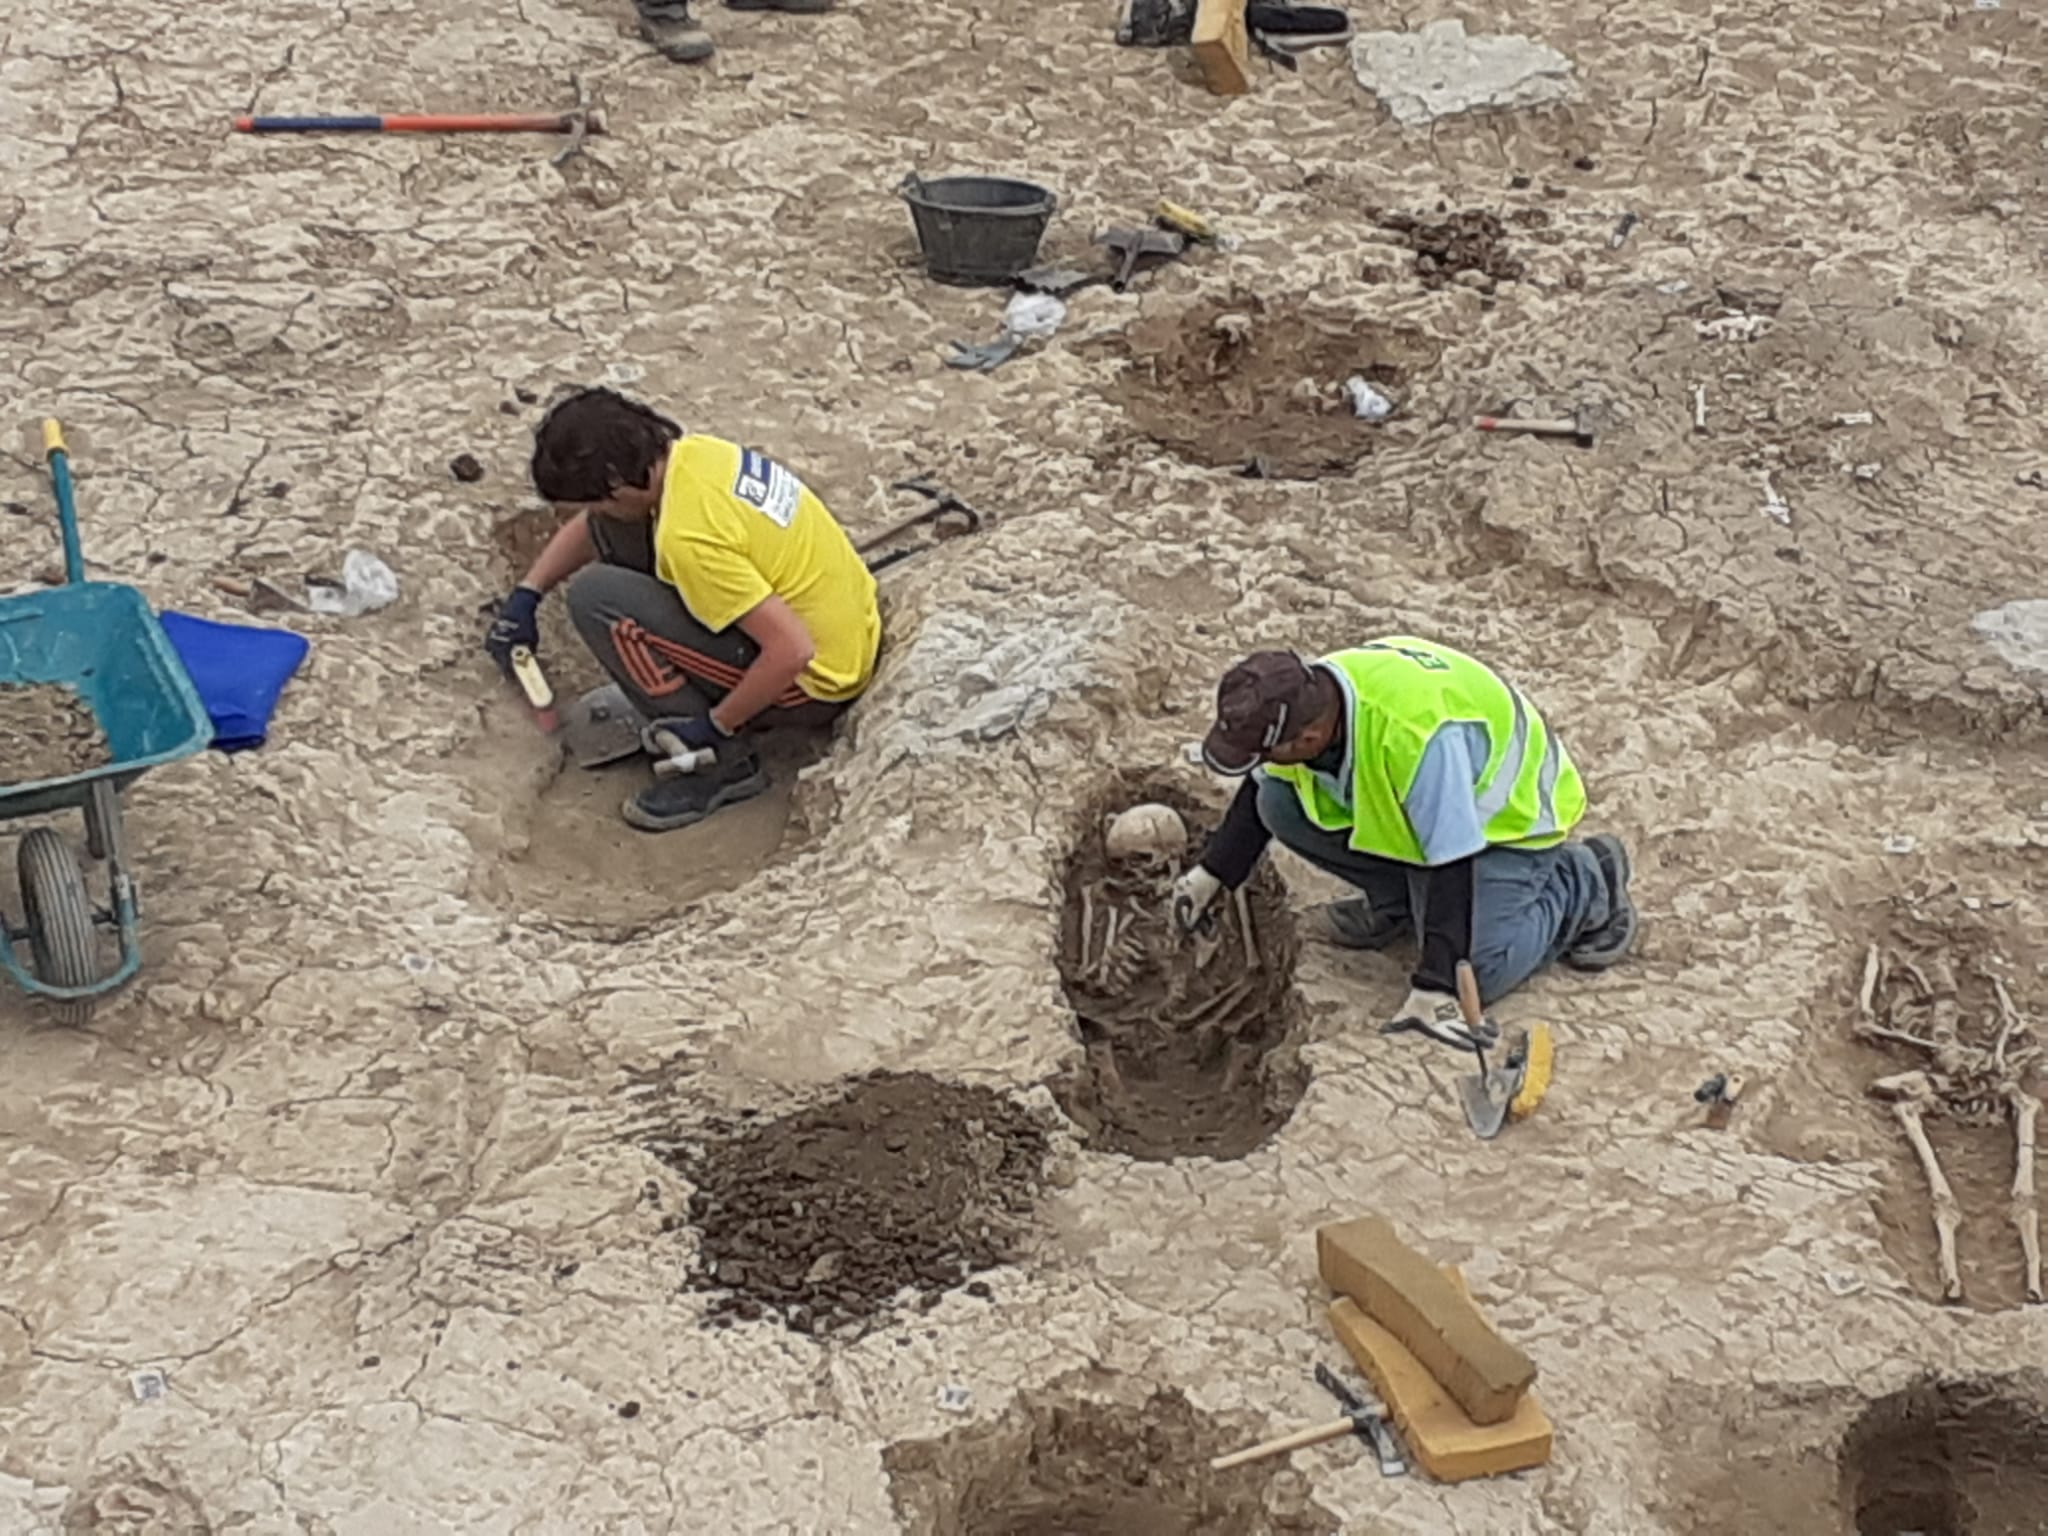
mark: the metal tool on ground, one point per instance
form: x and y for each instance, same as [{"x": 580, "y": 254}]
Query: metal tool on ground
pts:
[
  {"x": 1140, "y": 245},
  {"x": 601, "y": 727},
  {"x": 1364, "y": 1417},
  {"x": 1719, "y": 1093},
  {"x": 1578, "y": 426},
  {"x": 943, "y": 506},
  {"x": 533, "y": 682},
  {"x": 1516, "y": 1085},
  {"x": 578, "y": 122}
]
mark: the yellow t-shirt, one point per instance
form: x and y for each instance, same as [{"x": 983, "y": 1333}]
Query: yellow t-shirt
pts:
[{"x": 736, "y": 528}]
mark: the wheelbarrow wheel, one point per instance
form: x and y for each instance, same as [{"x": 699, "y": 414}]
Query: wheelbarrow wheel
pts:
[{"x": 61, "y": 939}]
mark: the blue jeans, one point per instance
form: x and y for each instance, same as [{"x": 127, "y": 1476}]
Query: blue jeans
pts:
[{"x": 1528, "y": 905}]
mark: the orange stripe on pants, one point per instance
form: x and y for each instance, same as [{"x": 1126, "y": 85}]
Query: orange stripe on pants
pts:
[{"x": 658, "y": 665}]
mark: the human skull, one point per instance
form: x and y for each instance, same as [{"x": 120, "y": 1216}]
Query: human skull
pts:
[{"x": 1146, "y": 834}]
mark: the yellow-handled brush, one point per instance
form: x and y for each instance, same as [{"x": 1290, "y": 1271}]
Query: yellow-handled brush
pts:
[
  {"x": 1183, "y": 220},
  {"x": 1535, "y": 1074}
]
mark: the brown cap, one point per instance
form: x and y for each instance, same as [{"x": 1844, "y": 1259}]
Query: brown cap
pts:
[{"x": 1261, "y": 701}]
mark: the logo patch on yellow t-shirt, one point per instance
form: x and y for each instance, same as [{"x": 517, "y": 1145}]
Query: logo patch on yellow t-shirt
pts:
[{"x": 767, "y": 487}]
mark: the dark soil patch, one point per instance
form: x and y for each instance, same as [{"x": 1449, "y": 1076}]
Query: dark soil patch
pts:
[
  {"x": 1243, "y": 382},
  {"x": 1062, "y": 1466},
  {"x": 1957, "y": 1459},
  {"x": 1189, "y": 1045},
  {"x": 1472, "y": 240},
  {"x": 48, "y": 732},
  {"x": 901, "y": 1182}
]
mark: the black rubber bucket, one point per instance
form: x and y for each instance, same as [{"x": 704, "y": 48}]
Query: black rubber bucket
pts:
[{"x": 978, "y": 231}]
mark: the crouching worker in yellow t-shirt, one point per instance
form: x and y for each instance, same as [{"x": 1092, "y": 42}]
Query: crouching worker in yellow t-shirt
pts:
[{"x": 713, "y": 586}]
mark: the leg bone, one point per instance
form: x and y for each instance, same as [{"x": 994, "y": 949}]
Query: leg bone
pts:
[
  {"x": 1947, "y": 1213},
  {"x": 2026, "y": 1215}
]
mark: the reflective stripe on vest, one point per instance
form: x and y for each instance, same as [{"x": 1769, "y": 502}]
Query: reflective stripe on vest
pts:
[{"x": 1401, "y": 691}]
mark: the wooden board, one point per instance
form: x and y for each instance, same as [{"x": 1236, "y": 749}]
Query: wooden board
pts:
[
  {"x": 1440, "y": 1438},
  {"x": 1223, "y": 48}
]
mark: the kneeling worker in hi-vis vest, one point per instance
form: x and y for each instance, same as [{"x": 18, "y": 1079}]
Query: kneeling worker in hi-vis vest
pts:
[{"x": 1417, "y": 775}]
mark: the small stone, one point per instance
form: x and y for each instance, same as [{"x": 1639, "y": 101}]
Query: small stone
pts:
[
  {"x": 278, "y": 490},
  {"x": 464, "y": 467},
  {"x": 371, "y": 1362},
  {"x": 1520, "y": 183},
  {"x": 526, "y": 397},
  {"x": 629, "y": 1410},
  {"x": 1585, "y": 163}
]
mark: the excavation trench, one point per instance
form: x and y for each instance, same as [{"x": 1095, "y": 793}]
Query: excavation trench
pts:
[
  {"x": 1250, "y": 384},
  {"x": 1063, "y": 1466},
  {"x": 1936, "y": 958},
  {"x": 557, "y": 844},
  {"x": 1958, "y": 1459},
  {"x": 1188, "y": 1045}
]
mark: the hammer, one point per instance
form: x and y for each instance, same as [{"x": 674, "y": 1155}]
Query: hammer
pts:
[
  {"x": 1363, "y": 1417},
  {"x": 578, "y": 122},
  {"x": 1578, "y": 426},
  {"x": 1135, "y": 244}
]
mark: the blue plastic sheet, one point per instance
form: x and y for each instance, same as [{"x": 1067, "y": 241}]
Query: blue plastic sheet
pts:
[{"x": 239, "y": 670}]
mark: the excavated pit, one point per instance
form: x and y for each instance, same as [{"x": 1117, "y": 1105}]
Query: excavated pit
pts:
[
  {"x": 1249, "y": 385},
  {"x": 557, "y": 847},
  {"x": 1188, "y": 1045},
  {"x": 1058, "y": 1465},
  {"x": 899, "y": 1186},
  {"x": 1962, "y": 1459},
  {"x": 1832, "y": 1117}
]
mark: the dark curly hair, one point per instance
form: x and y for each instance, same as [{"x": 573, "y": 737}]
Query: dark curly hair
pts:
[{"x": 593, "y": 442}]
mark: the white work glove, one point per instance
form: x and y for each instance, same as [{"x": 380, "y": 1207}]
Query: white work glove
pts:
[
  {"x": 1423, "y": 1007},
  {"x": 1193, "y": 893}
]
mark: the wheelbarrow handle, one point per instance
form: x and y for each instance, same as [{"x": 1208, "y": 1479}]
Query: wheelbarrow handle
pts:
[{"x": 67, "y": 503}]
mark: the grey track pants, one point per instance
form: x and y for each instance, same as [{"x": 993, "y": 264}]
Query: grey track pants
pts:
[
  {"x": 1528, "y": 906},
  {"x": 669, "y": 664}
]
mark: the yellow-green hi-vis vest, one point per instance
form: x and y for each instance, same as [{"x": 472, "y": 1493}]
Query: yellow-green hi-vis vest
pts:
[{"x": 1401, "y": 691}]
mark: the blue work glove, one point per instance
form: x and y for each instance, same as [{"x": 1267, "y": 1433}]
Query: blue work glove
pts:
[
  {"x": 517, "y": 624},
  {"x": 693, "y": 731}
]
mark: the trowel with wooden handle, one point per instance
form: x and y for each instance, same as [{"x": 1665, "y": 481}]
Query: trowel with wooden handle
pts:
[{"x": 1488, "y": 1093}]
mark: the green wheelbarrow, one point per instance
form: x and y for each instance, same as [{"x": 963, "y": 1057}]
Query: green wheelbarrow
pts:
[{"x": 101, "y": 640}]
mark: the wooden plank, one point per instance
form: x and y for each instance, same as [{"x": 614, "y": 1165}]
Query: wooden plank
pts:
[
  {"x": 1434, "y": 1320},
  {"x": 1223, "y": 48},
  {"x": 1438, "y": 1435}
]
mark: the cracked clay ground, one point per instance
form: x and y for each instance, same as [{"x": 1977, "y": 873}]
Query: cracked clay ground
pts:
[{"x": 354, "y": 1163}]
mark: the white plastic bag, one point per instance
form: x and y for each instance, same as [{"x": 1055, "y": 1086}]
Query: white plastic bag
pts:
[
  {"x": 1033, "y": 316},
  {"x": 1367, "y": 403},
  {"x": 367, "y": 584}
]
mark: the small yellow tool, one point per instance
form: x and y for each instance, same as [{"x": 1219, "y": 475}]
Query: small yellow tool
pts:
[
  {"x": 534, "y": 684},
  {"x": 1535, "y": 1074},
  {"x": 1183, "y": 220}
]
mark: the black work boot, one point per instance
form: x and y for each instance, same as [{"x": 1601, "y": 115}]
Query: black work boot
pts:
[
  {"x": 1353, "y": 924},
  {"x": 684, "y": 799},
  {"x": 1607, "y": 944},
  {"x": 670, "y": 27}
]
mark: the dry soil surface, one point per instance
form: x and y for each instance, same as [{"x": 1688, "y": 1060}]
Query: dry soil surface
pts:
[
  {"x": 47, "y": 731},
  {"x": 361, "y": 1164}
]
